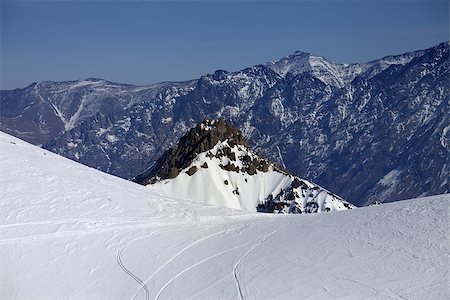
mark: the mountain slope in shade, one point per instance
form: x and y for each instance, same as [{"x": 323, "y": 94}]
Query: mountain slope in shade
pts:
[
  {"x": 71, "y": 232},
  {"x": 213, "y": 164},
  {"x": 375, "y": 131}
]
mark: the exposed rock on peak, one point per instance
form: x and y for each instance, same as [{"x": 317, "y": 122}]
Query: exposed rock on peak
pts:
[{"x": 201, "y": 138}]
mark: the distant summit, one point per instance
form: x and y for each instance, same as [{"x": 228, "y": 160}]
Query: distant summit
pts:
[{"x": 212, "y": 163}]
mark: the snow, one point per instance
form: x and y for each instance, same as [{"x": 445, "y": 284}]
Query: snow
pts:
[
  {"x": 111, "y": 138},
  {"x": 444, "y": 136},
  {"x": 74, "y": 118},
  {"x": 84, "y": 83},
  {"x": 335, "y": 74},
  {"x": 390, "y": 178},
  {"x": 100, "y": 131},
  {"x": 166, "y": 120},
  {"x": 296, "y": 63},
  {"x": 391, "y": 181},
  {"x": 69, "y": 231},
  {"x": 328, "y": 72},
  {"x": 72, "y": 144},
  {"x": 281, "y": 157}
]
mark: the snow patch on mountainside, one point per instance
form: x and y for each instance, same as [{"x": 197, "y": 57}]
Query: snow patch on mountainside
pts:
[
  {"x": 84, "y": 83},
  {"x": 390, "y": 178}
]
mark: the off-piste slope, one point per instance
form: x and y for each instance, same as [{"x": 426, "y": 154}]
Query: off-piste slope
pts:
[
  {"x": 212, "y": 163},
  {"x": 68, "y": 231}
]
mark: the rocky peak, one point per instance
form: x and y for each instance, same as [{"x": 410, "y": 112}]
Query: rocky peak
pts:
[
  {"x": 199, "y": 139},
  {"x": 209, "y": 132}
]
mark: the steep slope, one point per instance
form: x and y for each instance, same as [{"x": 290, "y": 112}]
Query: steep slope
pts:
[
  {"x": 213, "y": 164},
  {"x": 331, "y": 122},
  {"x": 68, "y": 231}
]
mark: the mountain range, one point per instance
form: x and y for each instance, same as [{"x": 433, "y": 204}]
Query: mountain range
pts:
[{"x": 376, "y": 131}]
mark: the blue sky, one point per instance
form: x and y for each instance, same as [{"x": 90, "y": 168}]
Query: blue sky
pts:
[{"x": 143, "y": 42}]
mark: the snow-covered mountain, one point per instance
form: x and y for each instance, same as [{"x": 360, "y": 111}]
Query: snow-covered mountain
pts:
[
  {"x": 71, "y": 232},
  {"x": 213, "y": 164},
  {"x": 375, "y": 131},
  {"x": 336, "y": 74}
]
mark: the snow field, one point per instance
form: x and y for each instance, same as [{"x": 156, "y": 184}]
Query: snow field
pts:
[{"x": 68, "y": 231}]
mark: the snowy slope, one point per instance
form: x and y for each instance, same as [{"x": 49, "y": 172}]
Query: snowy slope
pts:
[{"x": 71, "y": 232}]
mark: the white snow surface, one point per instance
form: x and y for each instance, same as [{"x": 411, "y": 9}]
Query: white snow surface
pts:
[{"x": 70, "y": 232}]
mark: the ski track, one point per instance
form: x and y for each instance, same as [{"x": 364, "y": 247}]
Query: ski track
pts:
[
  {"x": 193, "y": 266},
  {"x": 242, "y": 258},
  {"x": 139, "y": 281},
  {"x": 142, "y": 284},
  {"x": 181, "y": 252}
]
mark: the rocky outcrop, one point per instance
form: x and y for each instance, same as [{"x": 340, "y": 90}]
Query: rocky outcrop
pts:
[{"x": 201, "y": 138}]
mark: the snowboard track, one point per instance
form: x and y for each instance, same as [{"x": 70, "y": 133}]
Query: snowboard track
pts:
[{"x": 137, "y": 279}]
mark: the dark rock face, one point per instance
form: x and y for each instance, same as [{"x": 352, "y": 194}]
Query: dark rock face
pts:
[
  {"x": 199, "y": 139},
  {"x": 370, "y": 132},
  {"x": 192, "y": 171}
]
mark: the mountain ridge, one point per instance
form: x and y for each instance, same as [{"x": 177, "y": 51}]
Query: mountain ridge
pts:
[{"x": 318, "y": 129}]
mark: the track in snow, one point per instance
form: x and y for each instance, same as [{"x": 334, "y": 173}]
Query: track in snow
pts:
[
  {"x": 178, "y": 254},
  {"x": 193, "y": 266},
  {"x": 137, "y": 279},
  {"x": 241, "y": 259}
]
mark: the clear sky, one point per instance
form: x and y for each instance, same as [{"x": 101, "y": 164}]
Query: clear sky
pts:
[{"x": 144, "y": 42}]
